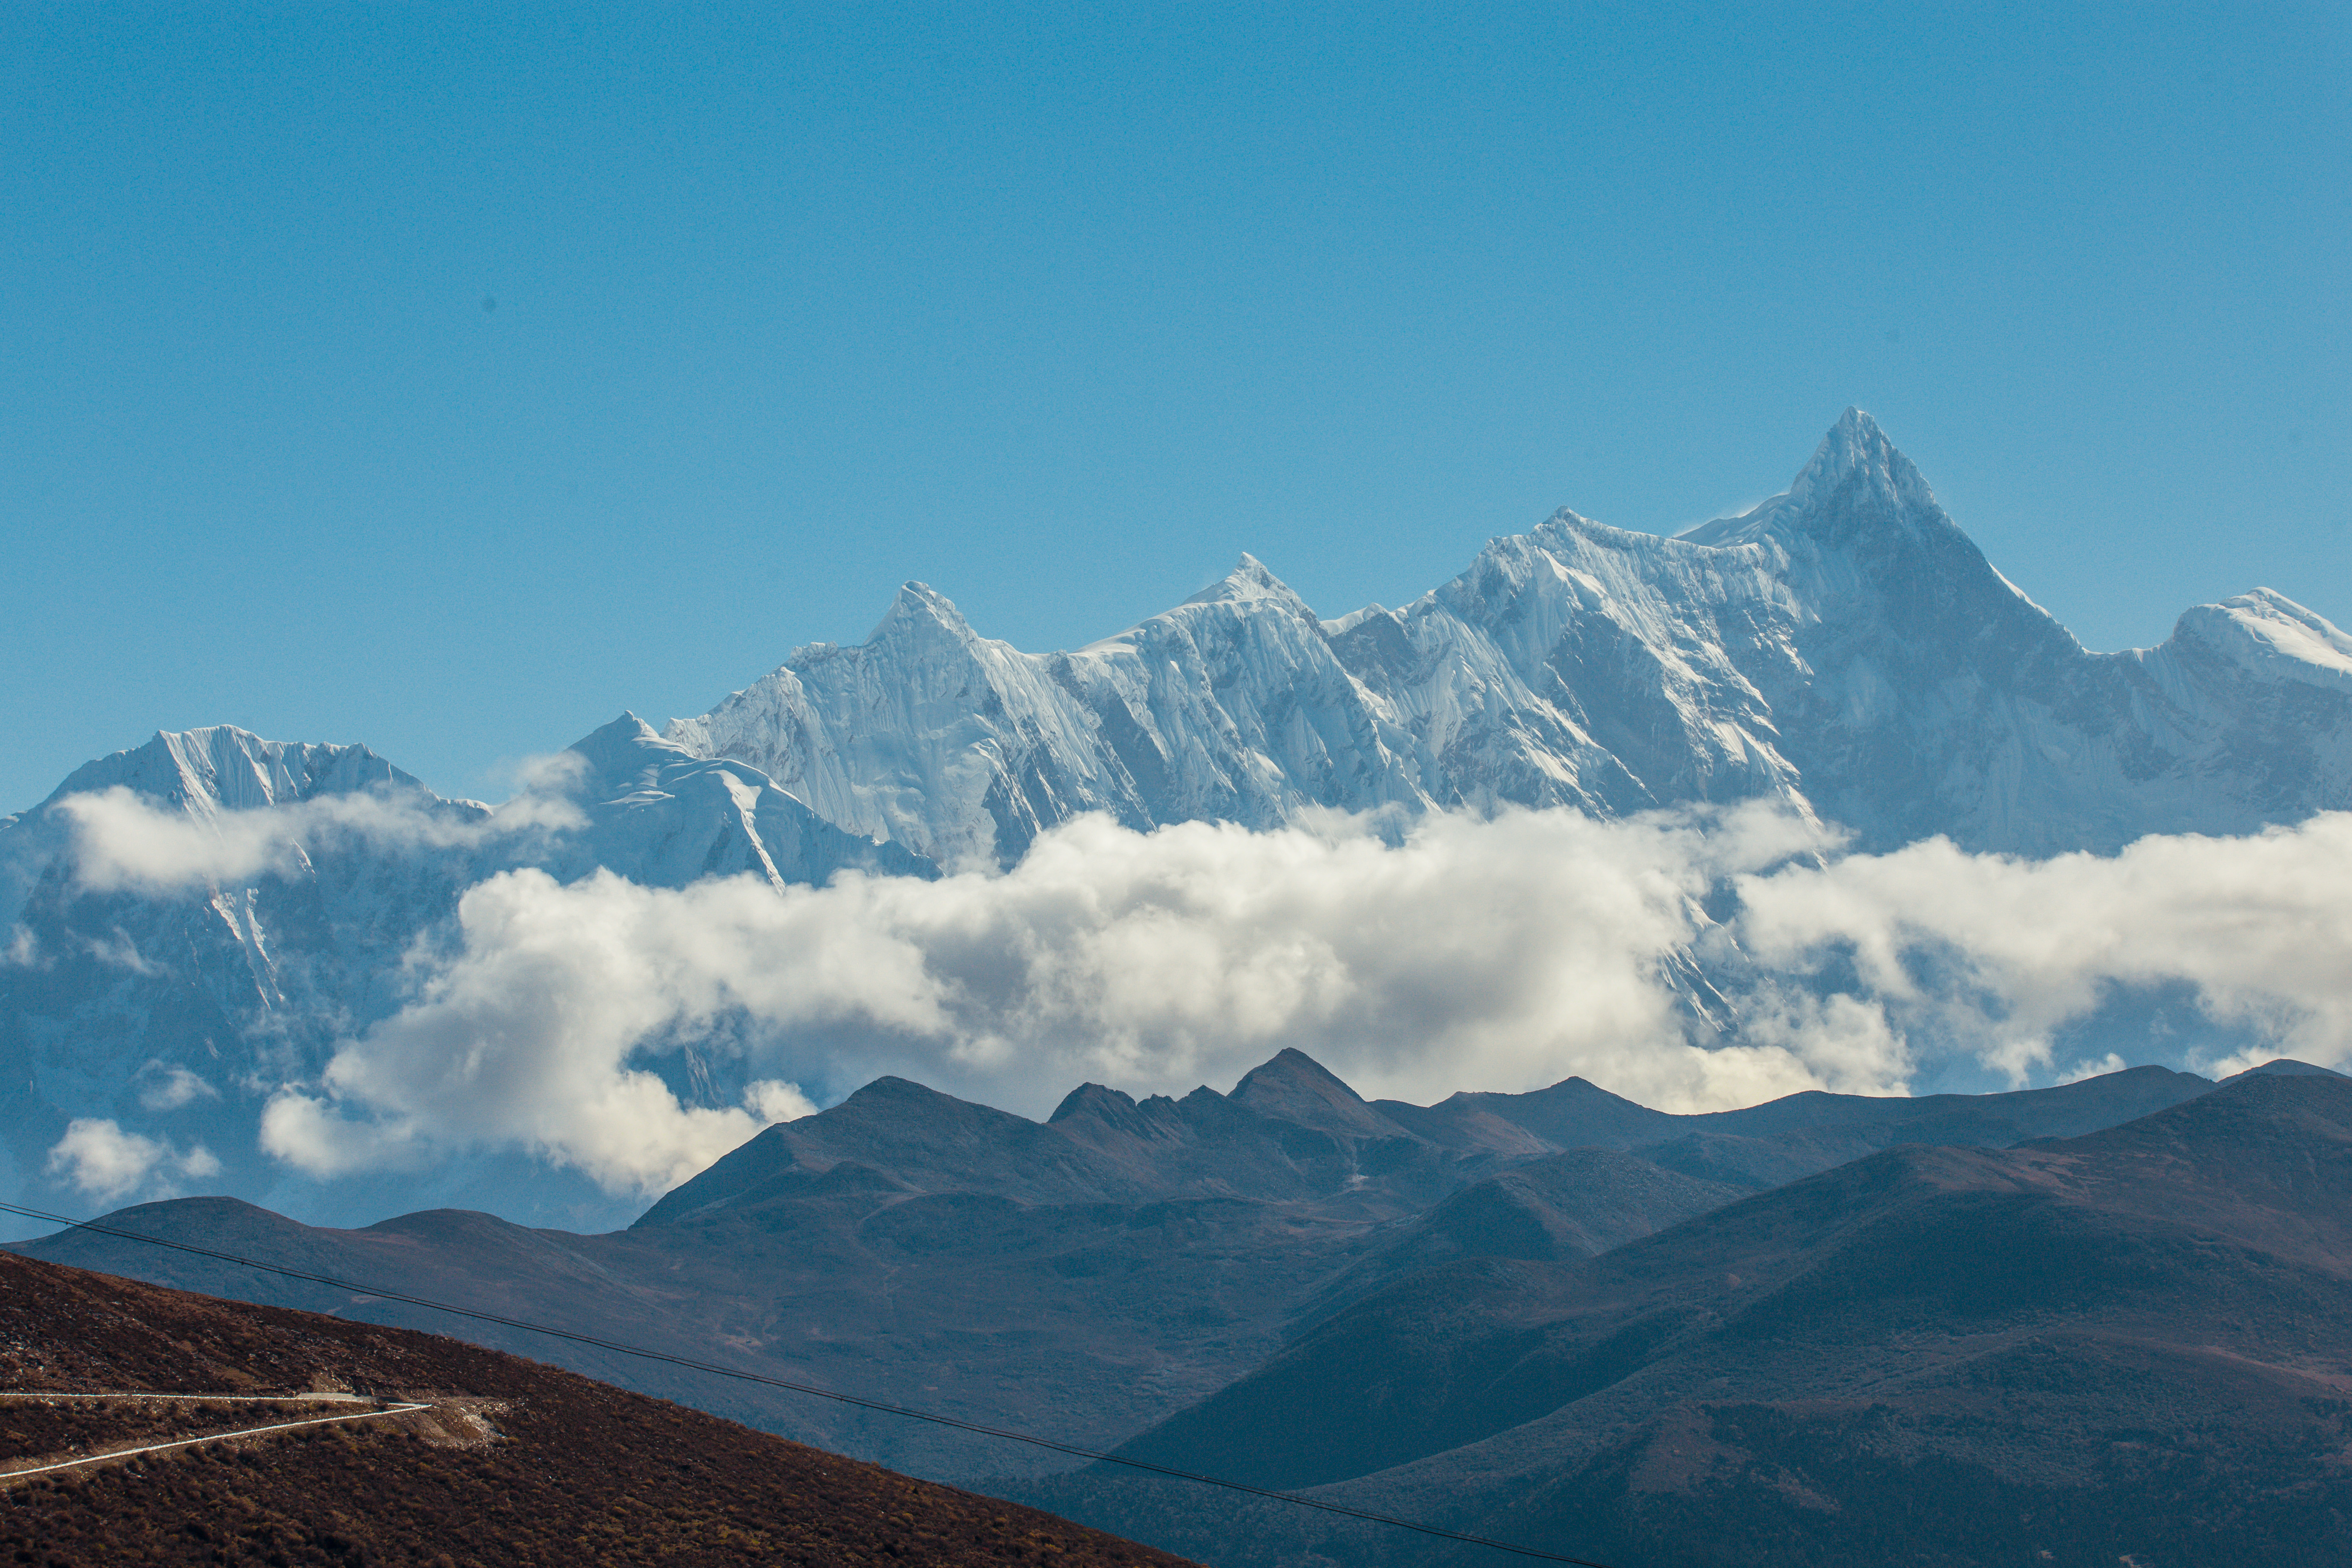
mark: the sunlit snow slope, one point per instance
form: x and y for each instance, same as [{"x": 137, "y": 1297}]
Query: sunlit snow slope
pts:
[{"x": 1843, "y": 646}]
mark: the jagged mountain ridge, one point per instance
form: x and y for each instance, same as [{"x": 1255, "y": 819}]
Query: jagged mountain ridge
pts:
[
  {"x": 1292, "y": 1130},
  {"x": 1843, "y": 646}
]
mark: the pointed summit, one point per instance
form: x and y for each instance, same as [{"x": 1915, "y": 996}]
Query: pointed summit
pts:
[
  {"x": 1856, "y": 472},
  {"x": 921, "y": 608},
  {"x": 1857, "y": 452},
  {"x": 1249, "y": 581},
  {"x": 625, "y": 747},
  {"x": 1294, "y": 1086},
  {"x": 626, "y": 730}
]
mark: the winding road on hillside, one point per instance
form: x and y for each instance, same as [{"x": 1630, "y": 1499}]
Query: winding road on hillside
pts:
[{"x": 393, "y": 1408}]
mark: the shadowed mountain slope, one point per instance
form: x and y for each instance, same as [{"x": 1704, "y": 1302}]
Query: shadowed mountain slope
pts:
[
  {"x": 1084, "y": 1277},
  {"x": 1557, "y": 1208},
  {"x": 513, "y": 1462},
  {"x": 1291, "y": 1131},
  {"x": 2137, "y": 1341}
]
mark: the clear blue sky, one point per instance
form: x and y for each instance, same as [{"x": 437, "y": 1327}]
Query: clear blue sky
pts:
[{"x": 1059, "y": 308}]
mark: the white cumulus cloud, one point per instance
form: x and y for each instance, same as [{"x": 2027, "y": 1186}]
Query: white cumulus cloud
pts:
[
  {"x": 2003, "y": 951},
  {"x": 101, "y": 1160},
  {"x": 1490, "y": 952}
]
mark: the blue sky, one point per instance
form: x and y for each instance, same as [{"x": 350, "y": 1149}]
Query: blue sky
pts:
[{"x": 451, "y": 379}]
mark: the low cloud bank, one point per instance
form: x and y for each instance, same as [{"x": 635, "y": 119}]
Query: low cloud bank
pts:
[
  {"x": 1502, "y": 953},
  {"x": 1999, "y": 952},
  {"x": 1473, "y": 952},
  {"x": 1414, "y": 958}
]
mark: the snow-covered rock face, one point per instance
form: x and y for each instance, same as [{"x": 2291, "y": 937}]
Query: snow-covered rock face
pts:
[
  {"x": 1843, "y": 646},
  {"x": 177, "y": 998},
  {"x": 660, "y": 814},
  {"x": 1232, "y": 706}
]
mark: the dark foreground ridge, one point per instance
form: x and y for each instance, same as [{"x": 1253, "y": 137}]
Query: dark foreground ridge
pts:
[
  {"x": 510, "y": 1462},
  {"x": 1083, "y": 1278},
  {"x": 186, "y": 1415}
]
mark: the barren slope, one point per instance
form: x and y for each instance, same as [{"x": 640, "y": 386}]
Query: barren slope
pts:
[
  {"x": 515, "y": 1463},
  {"x": 2133, "y": 1344}
]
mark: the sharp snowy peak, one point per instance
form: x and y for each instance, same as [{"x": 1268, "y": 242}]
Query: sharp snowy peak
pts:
[
  {"x": 207, "y": 771},
  {"x": 1232, "y": 706},
  {"x": 1843, "y": 648}
]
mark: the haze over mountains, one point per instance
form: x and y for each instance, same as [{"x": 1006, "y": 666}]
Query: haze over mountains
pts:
[{"x": 292, "y": 972}]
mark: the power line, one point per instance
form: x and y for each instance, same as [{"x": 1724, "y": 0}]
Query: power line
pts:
[{"x": 713, "y": 1369}]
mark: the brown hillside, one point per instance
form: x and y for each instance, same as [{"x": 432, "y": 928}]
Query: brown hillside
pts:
[
  {"x": 2134, "y": 1346},
  {"x": 515, "y": 1463}
]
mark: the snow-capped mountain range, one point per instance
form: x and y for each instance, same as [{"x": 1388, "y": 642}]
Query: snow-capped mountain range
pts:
[{"x": 1843, "y": 648}]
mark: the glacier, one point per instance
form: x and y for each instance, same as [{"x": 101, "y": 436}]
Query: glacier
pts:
[{"x": 1842, "y": 650}]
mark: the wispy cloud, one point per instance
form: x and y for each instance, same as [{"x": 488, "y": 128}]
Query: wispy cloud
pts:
[
  {"x": 162, "y": 1087},
  {"x": 123, "y": 840}
]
